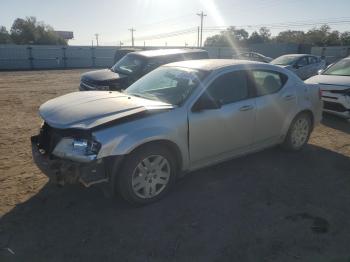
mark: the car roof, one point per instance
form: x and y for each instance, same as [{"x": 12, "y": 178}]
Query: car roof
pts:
[
  {"x": 164, "y": 52},
  {"x": 212, "y": 64},
  {"x": 298, "y": 55},
  {"x": 249, "y": 53}
]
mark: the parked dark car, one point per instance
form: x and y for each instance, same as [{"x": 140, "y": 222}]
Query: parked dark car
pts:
[{"x": 135, "y": 65}]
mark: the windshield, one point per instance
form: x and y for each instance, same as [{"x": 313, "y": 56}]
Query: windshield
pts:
[
  {"x": 128, "y": 65},
  {"x": 342, "y": 68},
  {"x": 171, "y": 85},
  {"x": 284, "y": 60}
]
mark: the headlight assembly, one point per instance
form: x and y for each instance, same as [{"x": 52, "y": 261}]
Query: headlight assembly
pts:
[
  {"x": 85, "y": 146},
  {"x": 80, "y": 150}
]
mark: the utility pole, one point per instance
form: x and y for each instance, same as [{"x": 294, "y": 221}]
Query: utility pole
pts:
[
  {"x": 202, "y": 15},
  {"x": 132, "y": 30},
  {"x": 92, "y": 43},
  {"x": 198, "y": 37},
  {"x": 96, "y": 35}
]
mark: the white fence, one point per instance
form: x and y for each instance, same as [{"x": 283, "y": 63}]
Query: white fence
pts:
[
  {"x": 16, "y": 57},
  {"x": 331, "y": 53},
  {"x": 24, "y": 57}
]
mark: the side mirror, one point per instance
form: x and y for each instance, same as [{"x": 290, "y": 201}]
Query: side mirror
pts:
[
  {"x": 320, "y": 71},
  {"x": 205, "y": 102}
]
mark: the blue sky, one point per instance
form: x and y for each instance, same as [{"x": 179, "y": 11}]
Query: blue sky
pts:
[{"x": 112, "y": 18}]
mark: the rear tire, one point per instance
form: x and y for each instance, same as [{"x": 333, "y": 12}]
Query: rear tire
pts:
[
  {"x": 299, "y": 132},
  {"x": 146, "y": 175}
]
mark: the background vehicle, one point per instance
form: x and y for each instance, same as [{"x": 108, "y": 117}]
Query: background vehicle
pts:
[
  {"x": 335, "y": 86},
  {"x": 180, "y": 117},
  {"x": 303, "y": 65},
  {"x": 133, "y": 66},
  {"x": 252, "y": 56}
]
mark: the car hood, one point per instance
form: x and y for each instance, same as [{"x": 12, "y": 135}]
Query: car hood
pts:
[
  {"x": 102, "y": 75},
  {"x": 85, "y": 110},
  {"x": 330, "y": 82}
]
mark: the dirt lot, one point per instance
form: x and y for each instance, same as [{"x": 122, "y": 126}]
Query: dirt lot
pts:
[{"x": 269, "y": 206}]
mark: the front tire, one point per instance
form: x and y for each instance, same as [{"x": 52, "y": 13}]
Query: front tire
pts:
[
  {"x": 147, "y": 174},
  {"x": 299, "y": 132}
]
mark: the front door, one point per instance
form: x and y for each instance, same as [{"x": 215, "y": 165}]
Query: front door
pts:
[{"x": 217, "y": 134}]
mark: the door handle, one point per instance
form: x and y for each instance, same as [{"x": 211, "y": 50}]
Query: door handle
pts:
[
  {"x": 246, "y": 108},
  {"x": 288, "y": 97}
]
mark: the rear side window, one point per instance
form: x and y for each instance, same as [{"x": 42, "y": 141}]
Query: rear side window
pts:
[
  {"x": 302, "y": 62},
  {"x": 313, "y": 60},
  {"x": 268, "y": 82},
  {"x": 229, "y": 88},
  {"x": 151, "y": 65}
]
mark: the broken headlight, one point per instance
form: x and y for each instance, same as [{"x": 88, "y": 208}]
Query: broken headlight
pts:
[
  {"x": 85, "y": 146},
  {"x": 80, "y": 150}
]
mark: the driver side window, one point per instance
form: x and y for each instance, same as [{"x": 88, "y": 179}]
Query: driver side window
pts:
[
  {"x": 302, "y": 62},
  {"x": 229, "y": 88}
]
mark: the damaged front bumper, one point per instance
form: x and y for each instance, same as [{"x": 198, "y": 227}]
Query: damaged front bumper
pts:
[{"x": 63, "y": 171}]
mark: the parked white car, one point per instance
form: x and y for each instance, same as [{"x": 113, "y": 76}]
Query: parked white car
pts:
[
  {"x": 335, "y": 86},
  {"x": 302, "y": 65}
]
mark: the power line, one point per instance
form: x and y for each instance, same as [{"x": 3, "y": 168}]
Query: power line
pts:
[
  {"x": 169, "y": 34},
  {"x": 283, "y": 25},
  {"x": 279, "y": 25}
]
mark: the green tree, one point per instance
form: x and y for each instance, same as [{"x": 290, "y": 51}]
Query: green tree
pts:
[
  {"x": 231, "y": 36},
  {"x": 5, "y": 37},
  {"x": 265, "y": 34},
  {"x": 289, "y": 36},
  {"x": 345, "y": 38},
  {"x": 322, "y": 36},
  {"x": 30, "y": 31},
  {"x": 262, "y": 36}
]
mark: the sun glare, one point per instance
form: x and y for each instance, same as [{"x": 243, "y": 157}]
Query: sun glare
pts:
[{"x": 214, "y": 13}]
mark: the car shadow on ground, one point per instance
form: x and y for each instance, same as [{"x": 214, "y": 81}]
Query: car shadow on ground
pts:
[
  {"x": 269, "y": 206},
  {"x": 336, "y": 123}
]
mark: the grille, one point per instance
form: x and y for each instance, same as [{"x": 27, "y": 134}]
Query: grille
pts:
[
  {"x": 334, "y": 106},
  {"x": 344, "y": 92}
]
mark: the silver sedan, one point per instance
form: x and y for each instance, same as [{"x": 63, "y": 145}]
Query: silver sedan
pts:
[
  {"x": 302, "y": 65},
  {"x": 178, "y": 118}
]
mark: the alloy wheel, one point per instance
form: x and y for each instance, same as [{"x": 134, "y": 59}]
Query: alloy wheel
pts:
[
  {"x": 151, "y": 176},
  {"x": 300, "y": 132}
]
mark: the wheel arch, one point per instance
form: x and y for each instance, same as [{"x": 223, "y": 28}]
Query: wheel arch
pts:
[
  {"x": 170, "y": 145},
  {"x": 308, "y": 112}
]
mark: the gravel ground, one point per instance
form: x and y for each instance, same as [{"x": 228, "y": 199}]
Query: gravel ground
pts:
[{"x": 269, "y": 206}]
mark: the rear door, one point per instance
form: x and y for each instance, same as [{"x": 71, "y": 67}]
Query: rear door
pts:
[
  {"x": 275, "y": 102},
  {"x": 314, "y": 66},
  {"x": 217, "y": 134}
]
